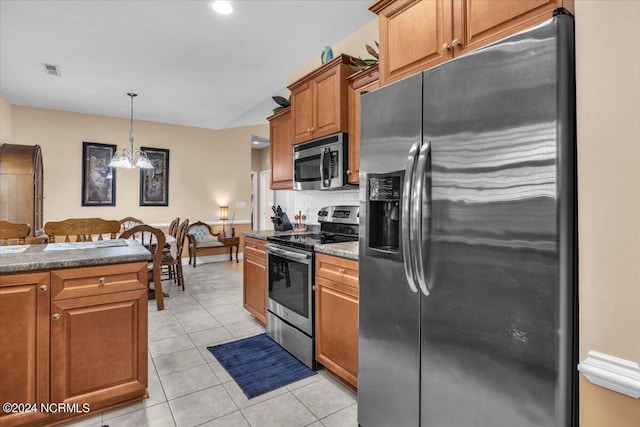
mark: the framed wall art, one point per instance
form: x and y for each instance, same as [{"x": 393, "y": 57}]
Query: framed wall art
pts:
[
  {"x": 98, "y": 179},
  {"x": 154, "y": 183}
]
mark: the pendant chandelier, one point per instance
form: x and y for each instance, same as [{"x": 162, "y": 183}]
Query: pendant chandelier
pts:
[{"x": 127, "y": 158}]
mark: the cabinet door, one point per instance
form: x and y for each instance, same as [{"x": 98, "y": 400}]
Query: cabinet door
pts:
[
  {"x": 327, "y": 103},
  {"x": 337, "y": 329},
  {"x": 302, "y": 99},
  {"x": 104, "y": 339},
  {"x": 255, "y": 288},
  {"x": 281, "y": 136},
  {"x": 414, "y": 36},
  {"x": 480, "y": 22},
  {"x": 24, "y": 340},
  {"x": 363, "y": 83}
]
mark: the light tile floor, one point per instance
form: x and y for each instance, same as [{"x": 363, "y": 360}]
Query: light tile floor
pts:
[{"x": 188, "y": 387}]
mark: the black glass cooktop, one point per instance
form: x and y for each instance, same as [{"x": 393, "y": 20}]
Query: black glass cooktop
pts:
[{"x": 308, "y": 241}]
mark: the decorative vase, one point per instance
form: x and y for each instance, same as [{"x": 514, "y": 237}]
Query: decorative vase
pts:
[{"x": 327, "y": 55}]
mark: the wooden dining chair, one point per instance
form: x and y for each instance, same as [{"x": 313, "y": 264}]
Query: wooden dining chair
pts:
[
  {"x": 83, "y": 228},
  {"x": 10, "y": 231},
  {"x": 172, "y": 231},
  {"x": 173, "y": 227},
  {"x": 128, "y": 222},
  {"x": 173, "y": 264},
  {"x": 145, "y": 233}
]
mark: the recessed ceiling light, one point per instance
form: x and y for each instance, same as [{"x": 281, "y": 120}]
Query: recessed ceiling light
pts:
[{"x": 223, "y": 7}]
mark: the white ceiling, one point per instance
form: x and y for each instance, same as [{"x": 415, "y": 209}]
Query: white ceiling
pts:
[{"x": 189, "y": 65}]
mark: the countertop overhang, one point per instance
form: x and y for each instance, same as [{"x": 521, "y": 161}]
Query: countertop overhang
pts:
[{"x": 81, "y": 254}]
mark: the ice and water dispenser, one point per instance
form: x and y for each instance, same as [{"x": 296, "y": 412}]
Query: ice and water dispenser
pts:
[{"x": 384, "y": 193}]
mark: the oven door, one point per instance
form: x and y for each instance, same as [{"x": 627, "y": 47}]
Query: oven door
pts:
[{"x": 289, "y": 286}]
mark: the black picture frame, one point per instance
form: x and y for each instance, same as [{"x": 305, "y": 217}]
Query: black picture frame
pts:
[
  {"x": 154, "y": 183},
  {"x": 98, "y": 180}
]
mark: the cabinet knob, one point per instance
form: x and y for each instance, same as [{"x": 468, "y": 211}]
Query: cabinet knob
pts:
[
  {"x": 456, "y": 42},
  {"x": 55, "y": 316},
  {"x": 313, "y": 288},
  {"x": 43, "y": 288},
  {"x": 348, "y": 172},
  {"x": 341, "y": 270},
  {"x": 446, "y": 46},
  {"x": 102, "y": 281},
  {"x": 312, "y": 130}
]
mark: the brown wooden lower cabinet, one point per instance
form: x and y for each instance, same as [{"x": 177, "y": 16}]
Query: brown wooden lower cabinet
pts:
[
  {"x": 254, "y": 280},
  {"x": 90, "y": 350},
  {"x": 336, "y": 296},
  {"x": 24, "y": 344}
]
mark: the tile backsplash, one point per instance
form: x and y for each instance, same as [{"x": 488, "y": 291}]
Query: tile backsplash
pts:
[{"x": 310, "y": 202}]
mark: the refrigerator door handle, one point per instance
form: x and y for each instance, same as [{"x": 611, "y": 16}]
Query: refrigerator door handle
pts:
[
  {"x": 406, "y": 216},
  {"x": 417, "y": 232}
]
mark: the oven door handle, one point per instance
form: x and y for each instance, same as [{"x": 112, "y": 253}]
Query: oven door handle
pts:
[{"x": 287, "y": 254}]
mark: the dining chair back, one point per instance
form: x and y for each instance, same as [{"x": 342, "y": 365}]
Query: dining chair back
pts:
[
  {"x": 128, "y": 222},
  {"x": 174, "y": 264},
  {"x": 13, "y": 231},
  {"x": 83, "y": 228},
  {"x": 155, "y": 241},
  {"x": 173, "y": 227}
]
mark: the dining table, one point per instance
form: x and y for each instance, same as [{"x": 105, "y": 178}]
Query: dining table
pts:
[{"x": 170, "y": 242}]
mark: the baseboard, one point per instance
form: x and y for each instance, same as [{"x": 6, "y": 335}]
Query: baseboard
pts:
[
  {"x": 205, "y": 259},
  {"x": 622, "y": 376}
]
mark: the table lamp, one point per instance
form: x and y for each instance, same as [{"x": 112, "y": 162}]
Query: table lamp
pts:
[{"x": 224, "y": 216}]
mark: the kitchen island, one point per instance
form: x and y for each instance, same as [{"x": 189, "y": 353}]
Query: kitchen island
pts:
[{"x": 73, "y": 329}]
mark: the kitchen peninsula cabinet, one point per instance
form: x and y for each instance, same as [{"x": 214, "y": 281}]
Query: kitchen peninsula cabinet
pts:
[
  {"x": 319, "y": 101},
  {"x": 281, "y": 151},
  {"x": 254, "y": 278},
  {"x": 24, "y": 339},
  {"x": 359, "y": 83},
  {"x": 74, "y": 331},
  {"x": 99, "y": 334},
  {"x": 416, "y": 35},
  {"x": 336, "y": 295}
]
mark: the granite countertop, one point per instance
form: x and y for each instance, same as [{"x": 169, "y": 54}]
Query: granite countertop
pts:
[
  {"x": 16, "y": 259},
  {"x": 348, "y": 250}
]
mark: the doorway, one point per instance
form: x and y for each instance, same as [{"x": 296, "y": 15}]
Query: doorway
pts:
[
  {"x": 254, "y": 200},
  {"x": 266, "y": 200}
]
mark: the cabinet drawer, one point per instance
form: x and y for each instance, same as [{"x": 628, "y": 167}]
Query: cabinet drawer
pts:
[
  {"x": 254, "y": 249},
  {"x": 99, "y": 280},
  {"x": 339, "y": 270}
]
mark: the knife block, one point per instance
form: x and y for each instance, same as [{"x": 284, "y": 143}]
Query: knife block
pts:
[{"x": 281, "y": 223}]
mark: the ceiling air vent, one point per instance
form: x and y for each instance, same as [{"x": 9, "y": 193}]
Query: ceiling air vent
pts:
[{"x": 54, "y": 70}]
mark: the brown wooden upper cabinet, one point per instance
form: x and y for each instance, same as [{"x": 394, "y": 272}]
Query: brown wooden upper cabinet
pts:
[
  {"x": 418, "y": 34},
  {"x": 359, "y": 83},
  {"x": 319, "y": 101},
  {"x": 281, "y": 152}
]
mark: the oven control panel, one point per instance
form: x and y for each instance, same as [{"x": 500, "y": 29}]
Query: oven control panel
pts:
[{"x": 340, "y": 214}]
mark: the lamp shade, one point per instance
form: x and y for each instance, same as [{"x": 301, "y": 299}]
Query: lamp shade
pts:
[{"x": 224, "y": 213}]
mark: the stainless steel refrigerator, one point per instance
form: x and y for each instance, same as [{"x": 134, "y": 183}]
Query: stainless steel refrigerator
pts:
[{"x": 468, "y": 259}]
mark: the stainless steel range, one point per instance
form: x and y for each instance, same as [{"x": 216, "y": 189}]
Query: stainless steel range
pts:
[{"x": 290, "y": 276}]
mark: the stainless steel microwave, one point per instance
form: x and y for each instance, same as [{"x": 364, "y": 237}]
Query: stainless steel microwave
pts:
[{"x": 321, "y": 164}]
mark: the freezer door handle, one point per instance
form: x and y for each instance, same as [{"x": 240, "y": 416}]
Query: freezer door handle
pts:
[
  {"x": 417, "y": 231},
  {"x": 406, "y": 216}
]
